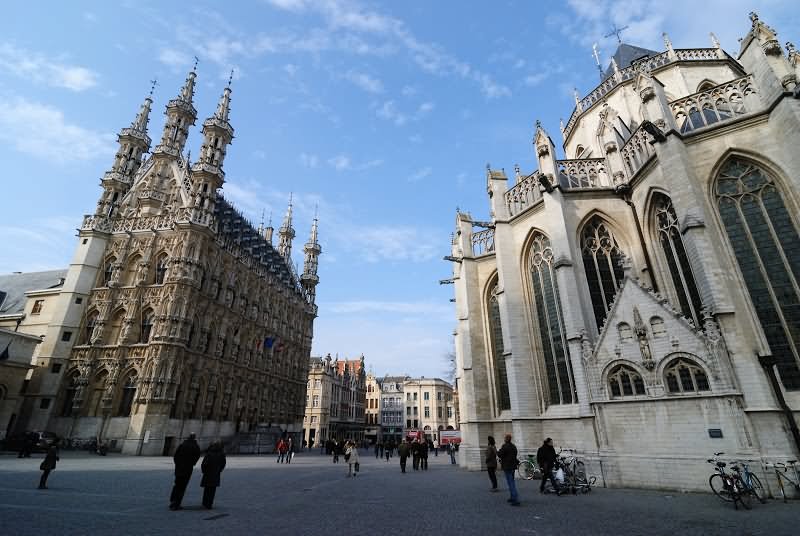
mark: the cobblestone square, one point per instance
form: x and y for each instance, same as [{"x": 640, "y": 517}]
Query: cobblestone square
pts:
[{"x": 312, "y": 496}]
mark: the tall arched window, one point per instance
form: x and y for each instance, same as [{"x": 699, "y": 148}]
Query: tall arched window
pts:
[
  {"x": 601, "y": 260},
  {"x": 557, "y": 366},
  {"x": 765, "y": 240},
  {"x": 684, "y": 376},
  {"x": 147, "y": 326},
  {"x": 161, "y": 269},
  {"x": 69, "y": 395},
  {"x": 498, "y": 360},
  {"x": 665, "y": 223},
  {"x": 624, "y": 381},
  {"x": 128, "y": 394}
]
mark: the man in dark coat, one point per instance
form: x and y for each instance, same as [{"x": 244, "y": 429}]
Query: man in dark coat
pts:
[
  {"x": 212, "y": 466},
  {"x": 185, "y": 458},
  {"x": 403, "y": 451},
  {"x": 546, "y": 458},
  {"x": 423, "y": 455},
  {"x": 509, "y": 462},
  {"x": 48, "y": 464},
  {"x": 415, "y": 454}
]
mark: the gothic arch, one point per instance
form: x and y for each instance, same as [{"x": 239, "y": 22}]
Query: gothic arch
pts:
[
  {"x": 160, "y": 267},
  {"x": 496, "y": 365},
  {"x": 754, "y": 212},
  {"x": 131, "y": 269},
  {"x": 547, "y": 320},
  {"x": 615, "y": 386},
  {"x": 666, "y": 368},
  {"x": 705, "y": 84},
  {"x": 673, "y": 267},
  {"x": 115, "y": 328},
  {"x": 603, "y": 246}
]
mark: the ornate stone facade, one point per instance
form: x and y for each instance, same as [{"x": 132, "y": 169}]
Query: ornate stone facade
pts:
[
  {"x": 186, "y": 318},
  {"x": 636, "y": 300}
]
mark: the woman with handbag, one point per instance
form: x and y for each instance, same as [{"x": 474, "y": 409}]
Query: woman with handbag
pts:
[
  {"x": 491, "y": 462},
  {"x": 351, "y": 457},
  {"x": 48, "y": 464}
]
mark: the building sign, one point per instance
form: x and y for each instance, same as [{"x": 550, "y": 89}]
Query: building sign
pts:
[{"x": 449, "y": 436}]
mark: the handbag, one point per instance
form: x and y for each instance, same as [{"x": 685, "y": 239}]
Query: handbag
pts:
[{"x": 347, "y": 457}]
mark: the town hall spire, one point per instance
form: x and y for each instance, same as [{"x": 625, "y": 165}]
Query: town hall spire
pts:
[
  {"x": 312, "y": 250},
  {"x": 286, "y": 234},
  {"x": 181, "y": 114}
]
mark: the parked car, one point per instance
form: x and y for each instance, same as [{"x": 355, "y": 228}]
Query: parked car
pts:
[{"x": 41, "y": 441}]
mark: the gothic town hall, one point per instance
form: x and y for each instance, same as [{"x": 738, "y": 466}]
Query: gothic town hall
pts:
[
  {"x": 176, "y": 314},
  {"x": 639, "y": 300}
]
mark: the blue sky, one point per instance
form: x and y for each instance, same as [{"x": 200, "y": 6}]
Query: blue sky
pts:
[{"x": 383, "y": 114}]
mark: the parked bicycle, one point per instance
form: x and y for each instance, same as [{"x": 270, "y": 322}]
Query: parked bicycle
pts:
[
  {"x": 569, "y": 472},
  {"x": 750, "y": 481},
  {"x": 728, "y": 486},
  {"x": 529, "y": 468},
  {"x": 782, "y": 473}
]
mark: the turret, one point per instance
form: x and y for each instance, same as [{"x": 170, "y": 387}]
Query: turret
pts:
[
  {"x": 181, "y": 115},
  {"x": 217, "y": 135},
  {"x": 286, "y": 234},
  {"x": 312, "y": 250},
  {"x": 133, "y": 143},
  {"x": 762, "y": 56}
]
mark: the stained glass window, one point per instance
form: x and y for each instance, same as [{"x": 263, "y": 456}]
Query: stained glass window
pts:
[
  {"x": 558, "y": 369},
  {"x": 766, "y": 244},
  {"x": 498, "y": 360},
  {"x": 685, "y": 376},
  {"x": 601, "y": 261},
  {"x": 666, "y": 226}
]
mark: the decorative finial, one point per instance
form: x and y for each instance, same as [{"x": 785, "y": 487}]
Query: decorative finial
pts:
[
  {"x": 316, "y": 211},
  {"x": 667, "y": 41},
  {"x": 577, "y": 95},
  {"x": 262, "y": 218},
  {"x": 561, "y": 124},
  {"x": 270, "y": 218},
  {"x": 790, "y": 48},
  {"x": 230, "y": 79},
  {"x": 154, "y": 83},
  {"x": 538, "y": 124},
  {"x": 714, "y": 40},
  {"x": 754, "y": 17},
  {"x": 488, "y": 166},
  {"x": 196, "y": 61},
  {"x": 617, "y": 31},
  {"x": 596, "y": 55}
]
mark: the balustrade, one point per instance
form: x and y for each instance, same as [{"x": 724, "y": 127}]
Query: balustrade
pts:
[
  {"x": 636, "y": 152},
  {"x": 524, "y": 194},
  {"x": 720, "y": 103},
  {"x": 583, "y": 173},
  {"x": 483, "y": 242}
]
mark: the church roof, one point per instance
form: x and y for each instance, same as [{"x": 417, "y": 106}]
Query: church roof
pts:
[
  {"x": 234, "y": 228},
  {"x": 626, "y": 54},
  {"x": 14, "y": 286}
]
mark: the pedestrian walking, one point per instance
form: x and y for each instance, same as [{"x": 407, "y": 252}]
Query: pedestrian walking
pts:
[
  {"x": 337, "y": 449},
  {"x": 451, "y": 450},
  {"x": 423, "y": 455},
  {"x": 491, "y": 462},
  {"x": 212, "y": 465},
  {"x": 415, "y": 454},
  {"x": 403, "y": 451},
  {"x": 388, "y": 450},
  {"x": 509, "y": 463},
  {"x": 377, "y": 450},
  {"x": 351, "y": 457},
  {"x": 281, "y": 448},
  {"x": 185, "y": 458},
  {"x": 289, "y": 450},
  {"x": 436, "y": 447},
  {"x": 381, "y": 447},
  {"x": 48, "y": 464},
  {"x": 546, "y": 458}
]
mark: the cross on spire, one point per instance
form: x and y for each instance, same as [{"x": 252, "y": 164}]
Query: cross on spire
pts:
[
  {"x": 230, "y": 78},
  {"x": 196, "y": 60},
  {"x": 616, "y": 31},
  {"x": 154, "y": 83}
]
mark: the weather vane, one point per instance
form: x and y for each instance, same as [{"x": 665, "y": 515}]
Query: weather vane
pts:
[
  {"x": 230, "y": 78},
  {"x": 617, "y": 31},
  {"x": 196, "y": 61},
  {"x": 154, "y": 83}
]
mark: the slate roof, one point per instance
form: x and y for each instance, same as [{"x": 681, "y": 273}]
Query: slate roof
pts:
[
  {"x": 627, "y": 54},
  {"x": 14, "y": 286},
  {"x": 234, "y": 227}
]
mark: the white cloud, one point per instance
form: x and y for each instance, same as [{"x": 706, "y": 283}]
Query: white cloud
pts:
[
  {"x": 365, "y": 81},
  {"x": 42, "y": 131},
  {"x": 394, "y": 244},
  {"x": 290, "y": 69},
  {"x": 420, "y": 174},
  {"x": 425, "y": 108},
  {"x": 390, "y": 112},
  {"x": 290, "y": 5},
  {"x": 339, "y": 162},
  {"x": 535, "y": 79},
  {"x": 309, "y": 160},
  {"x": 41, "y": 70},
  {"x": 174, "y": 58}
]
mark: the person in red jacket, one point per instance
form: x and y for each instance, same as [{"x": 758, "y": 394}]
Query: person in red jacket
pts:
[{"x": 282, "y": 448}]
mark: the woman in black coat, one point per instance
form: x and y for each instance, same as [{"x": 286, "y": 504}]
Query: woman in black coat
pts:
[
  {"x": 48, "y": 465},
  {"x": 212, "y": 466}
]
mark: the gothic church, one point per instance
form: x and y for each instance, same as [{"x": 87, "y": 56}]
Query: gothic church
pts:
[{"x": 639, "y": 300}]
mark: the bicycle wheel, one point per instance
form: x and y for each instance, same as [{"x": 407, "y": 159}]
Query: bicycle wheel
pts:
[
  {"x": 721, "y": 487},
  {"x": 757, "y": 489},
  {"x": 742, "y": 494},
  {"x": 526, "y": 470}
]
